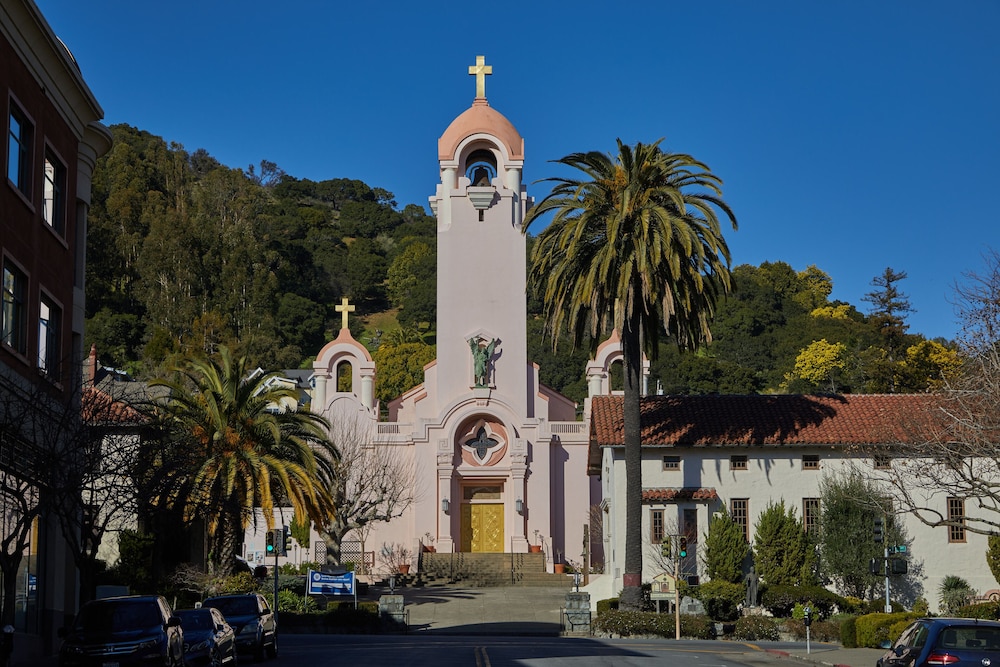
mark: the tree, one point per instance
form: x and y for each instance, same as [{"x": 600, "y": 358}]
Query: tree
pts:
[
  {"x": 782, "y": 552},
  {"x": 400, "y": 365},
  {"x": 889, "y": 310},
  {"x": 725, "y": 548},
  {"x": 635, "y": 246},
  {"x": 951, "y": 450},
  {"x": 849, "y": 504},
  {"x": 372, "y": 483},
  {"x": 821, "y": 362},
  {"x": 993, "y": 555},
  {"x": 232, "y": 442}
]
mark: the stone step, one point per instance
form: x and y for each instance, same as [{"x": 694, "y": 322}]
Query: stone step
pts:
[{"x": 483, "y": 570}]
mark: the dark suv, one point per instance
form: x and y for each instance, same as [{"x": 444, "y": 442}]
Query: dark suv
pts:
[
  {"x": 252, "y": 619},
  {"x": 943, "y": 641},
  {"x": 129, "y": 630}
]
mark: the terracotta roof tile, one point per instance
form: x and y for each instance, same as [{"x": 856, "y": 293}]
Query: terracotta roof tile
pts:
[
  {"x": 853, "y": 419},
  {"x": 684, "y": 493}
]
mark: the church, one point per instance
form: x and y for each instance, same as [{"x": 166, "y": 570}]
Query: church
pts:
[{"x": 502, "y": 458}]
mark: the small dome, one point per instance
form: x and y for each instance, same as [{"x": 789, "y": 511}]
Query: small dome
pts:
[{"x": 480, "y": 118}]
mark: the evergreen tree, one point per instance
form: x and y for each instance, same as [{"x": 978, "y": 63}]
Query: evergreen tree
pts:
[
  {"x": 781, "y": 546},
  {"x": 725, "y": 549}
]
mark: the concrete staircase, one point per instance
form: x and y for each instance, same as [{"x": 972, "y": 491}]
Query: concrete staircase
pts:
[{"x": 479, "y": 570}]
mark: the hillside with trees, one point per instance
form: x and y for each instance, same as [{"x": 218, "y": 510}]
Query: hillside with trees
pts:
[{"x": 184, "y": 254}]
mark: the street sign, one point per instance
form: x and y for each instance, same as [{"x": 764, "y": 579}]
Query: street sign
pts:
[{"x": 319, "y": 583}]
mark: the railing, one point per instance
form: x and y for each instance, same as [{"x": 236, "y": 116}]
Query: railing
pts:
[{"x": 569, "y": 427}]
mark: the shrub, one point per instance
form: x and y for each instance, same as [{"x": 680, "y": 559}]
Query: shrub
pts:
[
  {"x": 872, "y": 630},
  {"x": 781, "y": 600},
  {"x": 238, "y": 583},
  {"x": 821, "y": 631},
  {"x": 290, "y": 601},
  {"x": 921, "y": 606},
  {"x": 878, "y": 607},
  {"x": 954, "y": 592},
  {"x": 721, "y": 599},
  {"x": 644, "y": 623},
  {"x": 983, "y": 610},
  {"x": 848, "y": 633},
  {"x": 606, "y": 605},
  {"x": 750, "y": 628}
]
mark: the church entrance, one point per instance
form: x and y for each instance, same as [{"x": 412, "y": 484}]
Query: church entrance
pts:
[{"x": 482, "y": 519}]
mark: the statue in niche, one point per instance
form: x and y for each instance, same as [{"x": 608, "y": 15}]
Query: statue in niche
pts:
[{"x": 480, "y": 360}]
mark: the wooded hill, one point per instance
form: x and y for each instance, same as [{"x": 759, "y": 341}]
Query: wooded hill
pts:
[{"x": 186, "y": 253}]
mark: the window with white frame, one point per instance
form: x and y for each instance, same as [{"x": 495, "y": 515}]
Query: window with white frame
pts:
[
  {"x": 956, "y": 514},
  {"x": 739, "y": 510},
  {"x": 656, "y": 526},
  {"x": 671, "y": 463},
  {"x": 810, "y": 461},
  {"x": 49, "y": 348},
  {"x": 810, "y": 515},
  {"x": 54, "y": 193}
]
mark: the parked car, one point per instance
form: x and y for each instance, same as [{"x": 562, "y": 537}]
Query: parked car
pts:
[
  {"x": 251, "y": 617},
  {"x": 208, "y": 638},
  {"x": 122, "y": 631},
  {"x": 945, "y": 641}
]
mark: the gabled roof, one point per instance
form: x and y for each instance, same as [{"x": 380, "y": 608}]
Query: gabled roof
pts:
[{"x": 852, "y": 419}]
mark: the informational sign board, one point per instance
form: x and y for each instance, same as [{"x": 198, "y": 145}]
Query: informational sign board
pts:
[
  {"x": 664, "y": 587},
  {"x": 319, "y": 583}
]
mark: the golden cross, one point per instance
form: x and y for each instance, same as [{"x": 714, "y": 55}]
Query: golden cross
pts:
[
  {"x": 343, "y": 309},
  {"x": 480, "y": 70}
]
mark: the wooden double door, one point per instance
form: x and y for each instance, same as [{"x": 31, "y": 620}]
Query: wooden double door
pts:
[{"x": 482, "y": 527}]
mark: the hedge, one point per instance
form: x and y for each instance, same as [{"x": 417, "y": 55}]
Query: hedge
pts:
[
  {"x": 872, "y": 630},
  {"x": 643, "y": 623},
  {"x": 780, "y": 600}
]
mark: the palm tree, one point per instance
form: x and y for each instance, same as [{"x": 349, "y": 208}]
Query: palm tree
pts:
[
  {"x": 636, "y": 246},
  {"x": 235, "y": 442}
]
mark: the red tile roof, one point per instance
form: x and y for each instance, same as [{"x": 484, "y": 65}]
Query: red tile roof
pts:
[
  {"x": 685, "y": 493},
  {"x": 852, "y": 419}
]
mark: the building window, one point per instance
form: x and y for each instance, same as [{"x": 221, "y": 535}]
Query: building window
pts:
[
  {"x": 810, "y": 461},
  {"x": 671, "y": 463},
  {"x": 738, "y": 462},
  {"x": 53, "y": 197},
  {"x": 956, "y": 513},
  {"x": 810, "y": 515},
  {"x": 739, "y": 510},
  {"x": 49, "y": 321},
  {"x": 656, "y": 532},
  {"x": 14, "y": 325},
  {"x": 881, "y": 462},
  {"x": 19, "y": 139}
]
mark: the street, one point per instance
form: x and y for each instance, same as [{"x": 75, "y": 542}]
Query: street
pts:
[{"x": 466, "y": 651}]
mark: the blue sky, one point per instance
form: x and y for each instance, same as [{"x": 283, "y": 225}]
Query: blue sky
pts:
[{"x": 849, "y": 135}]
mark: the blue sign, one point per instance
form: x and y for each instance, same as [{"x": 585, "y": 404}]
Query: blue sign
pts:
[{"x": 319, "y": 583}]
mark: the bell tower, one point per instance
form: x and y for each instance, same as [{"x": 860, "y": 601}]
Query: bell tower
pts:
[{"x": 480, "y": 205}]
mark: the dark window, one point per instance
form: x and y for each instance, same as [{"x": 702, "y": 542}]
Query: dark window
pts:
[
  {"x": 738, "y": 462},
  {"x": 740, "y": 511},
  {"x": 956, "y": 513},
  {"x": 53, "y": 195},
  {"x": 810, "y": 461},
  {"x": 19, "y": 138},
  {"x": 14, "y": 325},
  {"x": 671, "y": 463},
  {"x": 49, "y": 348}
]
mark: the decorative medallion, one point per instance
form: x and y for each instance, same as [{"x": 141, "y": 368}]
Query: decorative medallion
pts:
[{"x": 484, "y": 444}]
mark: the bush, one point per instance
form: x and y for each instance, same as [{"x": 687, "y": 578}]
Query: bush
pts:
[
  {"x": 651, "y": 624},
  {"x": 238, "y": 583},
  {"x": 983, "y": 610},
  {"x": 607, "y": 605},
  {"x": 722, "y": 599},
  {"x": 821, "y": 631},
  {"x": 848, "y": 633},
  {"x": 872, "y": 630},
  {"x": 781, "y": 600},
  {"x": 751, "y": 628},
  {"x": 291, "y": 601}
]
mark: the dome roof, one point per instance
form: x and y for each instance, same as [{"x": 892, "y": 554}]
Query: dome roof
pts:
[{"x": 480, "y": 118}]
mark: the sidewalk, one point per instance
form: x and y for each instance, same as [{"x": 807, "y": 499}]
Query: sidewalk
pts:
[{"x": 832, "y": 655}]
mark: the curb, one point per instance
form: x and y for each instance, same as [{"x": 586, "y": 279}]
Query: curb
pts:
[{"x": 786, "y": 654}]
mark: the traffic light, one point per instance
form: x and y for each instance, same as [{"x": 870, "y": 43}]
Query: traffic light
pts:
[
  {"x": 665, "y": 550},
  {"x": 683, "y": 551},
  {"x": 879, "y": 529},
  {"x": 286, "y": 539},
  {"x": 873, "y": 565},
  {"x": 898, "y": 566},
  {"x": 270, "y": 543},
  {"x": 807, "y": 616}
]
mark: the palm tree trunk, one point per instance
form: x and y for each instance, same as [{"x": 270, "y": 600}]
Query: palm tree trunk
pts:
[{"x": 631, "y": 597}]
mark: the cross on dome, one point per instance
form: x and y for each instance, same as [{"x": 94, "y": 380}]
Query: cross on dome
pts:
[
  {"x": 480, "y": 70},
  {"x": 344, "y": 309}
]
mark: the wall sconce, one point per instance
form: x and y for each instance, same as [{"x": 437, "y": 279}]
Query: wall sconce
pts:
[
  {"x": 445, "y": 505},
  {"x": 519, "y": 506}
]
